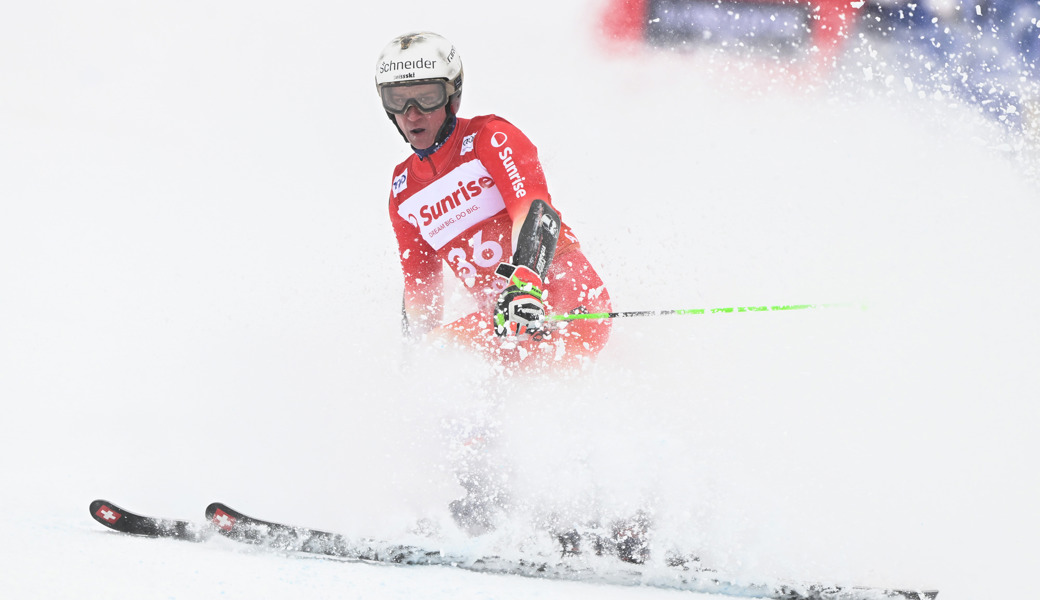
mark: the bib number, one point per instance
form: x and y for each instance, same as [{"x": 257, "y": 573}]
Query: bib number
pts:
[{"x": 485, "y": 254}]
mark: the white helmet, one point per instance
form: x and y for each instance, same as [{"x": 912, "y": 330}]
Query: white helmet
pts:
[{"x": 420, "y": 56}]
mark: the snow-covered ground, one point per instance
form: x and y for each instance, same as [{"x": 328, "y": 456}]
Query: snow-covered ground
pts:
[{"x": 199, "y": 301}]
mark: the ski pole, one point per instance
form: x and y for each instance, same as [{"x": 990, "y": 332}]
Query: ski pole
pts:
[{"x": 687, "y": 311}]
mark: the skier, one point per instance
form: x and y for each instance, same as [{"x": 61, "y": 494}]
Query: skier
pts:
[{"x": 472, "y": 195}]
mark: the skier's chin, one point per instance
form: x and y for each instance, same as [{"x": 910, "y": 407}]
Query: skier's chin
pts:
[{"x": 420, "y": 138}]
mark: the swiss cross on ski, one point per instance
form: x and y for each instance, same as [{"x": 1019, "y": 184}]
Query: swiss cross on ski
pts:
[
  {"x": 107, "y": 514},
  {"x": 223, "y": 520}
]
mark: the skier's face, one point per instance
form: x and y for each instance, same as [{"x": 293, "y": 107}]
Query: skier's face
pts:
[{"x": 421, "y": 128}]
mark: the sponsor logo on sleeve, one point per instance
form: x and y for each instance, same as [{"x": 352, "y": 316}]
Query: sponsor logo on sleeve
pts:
[
  {"x": 516, "y": 180},
  {"x": 549, "y": 224},
  {"x": 467, "y": 144},
  {"x": 400, "y": 183}
]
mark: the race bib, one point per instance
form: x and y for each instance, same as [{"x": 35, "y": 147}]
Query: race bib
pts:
[{"x": 449, "y": 206}]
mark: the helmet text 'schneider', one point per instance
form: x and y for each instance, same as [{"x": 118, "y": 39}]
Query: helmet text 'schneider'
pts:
[{"x": 419, "y": 63}]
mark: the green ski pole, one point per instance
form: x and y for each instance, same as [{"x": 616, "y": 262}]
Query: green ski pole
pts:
[{"x": 688, "y": 311}]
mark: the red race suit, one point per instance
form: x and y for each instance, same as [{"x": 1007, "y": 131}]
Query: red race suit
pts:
[{"x": 462, "y": 206}]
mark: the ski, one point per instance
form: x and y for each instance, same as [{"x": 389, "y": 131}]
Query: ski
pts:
[
  {"x": 242, "y": 528},
  {"x": 124, "y": 521},
  {"x": 293, "y": 540}
]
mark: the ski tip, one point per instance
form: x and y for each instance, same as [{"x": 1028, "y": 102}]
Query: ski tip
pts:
[
  {"x": 222, "y": 518},
  {"x": 106, "y": 513},
  {"x": 216, "y": 508}
]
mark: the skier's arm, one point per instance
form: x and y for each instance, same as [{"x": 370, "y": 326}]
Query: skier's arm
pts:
[
  {"x": 421, "y": 314},
  {"x": 512, "y": 161},
  {"x": 422, "y": 304},
  {"x": 520, "y": 307},
  {"x": 536, "y": 237}
]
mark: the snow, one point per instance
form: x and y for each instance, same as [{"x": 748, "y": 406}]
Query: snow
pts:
[{"x": 199, "y": 301}]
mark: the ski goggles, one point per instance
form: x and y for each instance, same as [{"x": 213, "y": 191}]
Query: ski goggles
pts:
[{"x": 427, "y": 96}]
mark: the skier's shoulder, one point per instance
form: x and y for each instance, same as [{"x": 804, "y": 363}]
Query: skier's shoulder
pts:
[
  {"x": 495, "y": 131},
  {"x": 403, "y": 165}
]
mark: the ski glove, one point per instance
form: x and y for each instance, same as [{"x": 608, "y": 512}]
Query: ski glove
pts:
[{"x": 519, "y": 308}]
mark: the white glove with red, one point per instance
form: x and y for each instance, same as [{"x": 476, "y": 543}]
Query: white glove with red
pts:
[{"x": 519, "y": 309}]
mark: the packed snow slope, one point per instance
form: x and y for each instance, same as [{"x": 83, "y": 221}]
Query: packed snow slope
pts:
[{"x": 199, "y": 300}]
